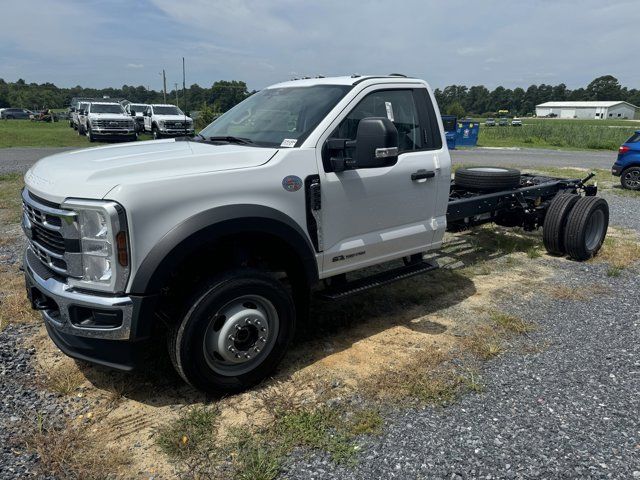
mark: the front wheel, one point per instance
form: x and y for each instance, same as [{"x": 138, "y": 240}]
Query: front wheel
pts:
[
  {"x": 156, "y": 133},
  {"x": 92, "y": 138},
  {"x": 630, "y": 178},
  {"x": 235, "y": 332}
]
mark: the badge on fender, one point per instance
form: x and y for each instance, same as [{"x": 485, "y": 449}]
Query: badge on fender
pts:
[{"x": 292, "y": 183}]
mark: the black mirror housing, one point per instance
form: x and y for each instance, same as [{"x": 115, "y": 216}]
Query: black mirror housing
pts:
[{"x": 376, "y": 143}]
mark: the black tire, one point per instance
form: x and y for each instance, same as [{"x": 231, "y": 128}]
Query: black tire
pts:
[
  {"x": 586, "y": 228},
  {"x": 80, "y": 130},
  {"x": 630, "y": 178},
  {"x": 555, "y": 221},
  {"x": 487, "y": 178},
  {"x": 193, "y": 352},
  {"x": 90, "y": 135},
  {"x": 156, "y": 133}
]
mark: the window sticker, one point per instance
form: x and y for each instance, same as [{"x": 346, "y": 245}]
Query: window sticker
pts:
[
  {"x": 389, "y": 110},
  {"x": 289, "y": 142}
]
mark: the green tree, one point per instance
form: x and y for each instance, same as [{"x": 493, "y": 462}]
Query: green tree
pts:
[
  {"x": 456, "y": 109},
  {"x": 604, "y": 88}
]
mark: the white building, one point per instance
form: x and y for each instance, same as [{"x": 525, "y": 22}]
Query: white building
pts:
[{"x": 589, "y": 110}]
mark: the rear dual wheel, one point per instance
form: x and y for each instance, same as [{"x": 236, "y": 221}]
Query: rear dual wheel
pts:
[{"x": 576, "y": 226}]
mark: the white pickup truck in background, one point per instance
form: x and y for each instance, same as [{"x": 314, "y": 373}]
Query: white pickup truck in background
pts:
[
  {"x": 101, "y": 120},
  {"x": 166, "y": 121},
  {"x": 215, "y": 243}
]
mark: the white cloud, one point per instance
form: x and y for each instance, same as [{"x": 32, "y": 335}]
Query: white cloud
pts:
[{"x": 135, "y": 65}]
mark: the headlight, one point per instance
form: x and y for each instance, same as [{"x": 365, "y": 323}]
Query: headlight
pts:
[{"x": 104, "y": 245}]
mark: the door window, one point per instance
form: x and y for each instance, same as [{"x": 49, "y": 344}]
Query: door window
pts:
[{"x": 396, "y": 105}]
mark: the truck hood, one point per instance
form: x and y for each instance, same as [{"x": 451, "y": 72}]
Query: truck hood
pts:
[{"x": 93, "y": 172}]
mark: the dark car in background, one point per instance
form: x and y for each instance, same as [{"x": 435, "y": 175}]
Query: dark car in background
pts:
[
  {"x": 627, "y": 165},
  {"x": 16, "y": 113}
]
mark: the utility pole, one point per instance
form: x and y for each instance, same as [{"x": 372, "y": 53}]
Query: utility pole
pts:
[
  {"x": 177, "y": 103},
  {"x": 164, "y": 84}
]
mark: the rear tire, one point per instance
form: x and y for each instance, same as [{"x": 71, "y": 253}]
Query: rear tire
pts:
[
  {"x": 555, "y": 222},
  {"x": 241, "y": 312},
  {"x": 487, "y": 178},
  {"x": 586, "y": 228},
  {"x": 630, "y": 178}
]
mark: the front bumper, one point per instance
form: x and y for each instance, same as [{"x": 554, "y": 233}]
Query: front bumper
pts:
[
  {"x": 95, "y": 328},
  {"x": 177, "y": 131},
  {"x": 113, "y": 132}
]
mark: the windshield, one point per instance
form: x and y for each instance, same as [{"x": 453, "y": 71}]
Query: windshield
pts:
[
  {"x": 278, "y": 116},
  {"x": 102, "y": 108},
  {"x": 137, "y": 108},
  {"x": 167, "y": 111}
]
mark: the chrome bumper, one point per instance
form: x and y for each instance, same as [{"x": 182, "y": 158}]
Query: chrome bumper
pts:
[{"x": 56, "y": 299}]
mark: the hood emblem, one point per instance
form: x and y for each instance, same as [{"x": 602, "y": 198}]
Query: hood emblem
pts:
[{"x": 292, "y": 183}]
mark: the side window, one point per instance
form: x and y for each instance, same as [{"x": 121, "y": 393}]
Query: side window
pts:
[{"x": 397, "y": 105}]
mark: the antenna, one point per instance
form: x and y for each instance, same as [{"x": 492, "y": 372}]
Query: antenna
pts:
[
  {"x": 164, "y": 85},
  {"x": 184, "y": 97}
]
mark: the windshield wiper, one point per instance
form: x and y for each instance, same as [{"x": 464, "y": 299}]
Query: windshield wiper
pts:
[{"x": 230, "y": 139}]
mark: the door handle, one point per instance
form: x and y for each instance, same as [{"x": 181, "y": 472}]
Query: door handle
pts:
[{"x": 422, "y": 174}]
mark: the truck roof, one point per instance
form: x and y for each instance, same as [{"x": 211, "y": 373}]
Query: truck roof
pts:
[
  {"x": 345, "y": 80},
  {"x": 160, "y": 104}
]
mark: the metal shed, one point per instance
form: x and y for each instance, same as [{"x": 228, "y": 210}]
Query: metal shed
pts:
[{"x": 588, "y": 110}]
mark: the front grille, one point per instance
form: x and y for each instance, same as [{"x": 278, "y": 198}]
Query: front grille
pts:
[
  {"x": 112, "y": 123},
  {"x": 43, "y": 225}
]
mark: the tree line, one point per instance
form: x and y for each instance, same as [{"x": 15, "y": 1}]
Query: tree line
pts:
[
  {"x": 480, "y": 101},
  {"x": 222, "y": 95}
]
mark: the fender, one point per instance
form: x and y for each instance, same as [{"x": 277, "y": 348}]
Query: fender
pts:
[{"x": 209, "y": 225}]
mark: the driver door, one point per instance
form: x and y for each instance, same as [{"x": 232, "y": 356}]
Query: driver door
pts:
[{"x": 372, "y": 215}]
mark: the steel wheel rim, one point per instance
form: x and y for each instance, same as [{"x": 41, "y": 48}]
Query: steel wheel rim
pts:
[
  {"x": 595, "y": 227},
  {"x": 240, "y": 335},
  {"x": 632, "y": 179}
]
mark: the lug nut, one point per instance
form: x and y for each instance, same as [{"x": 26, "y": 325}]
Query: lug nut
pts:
[
  {"x": 237, "y": 355},
  {"x": 257, "y": 350},
  {"x": 247, "y": 356}
]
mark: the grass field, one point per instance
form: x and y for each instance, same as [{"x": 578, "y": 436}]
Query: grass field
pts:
[
  {"x": 536, "y": 132},
  {"x": 25, "y": 133},
  {"x": 556, "y": 133}
]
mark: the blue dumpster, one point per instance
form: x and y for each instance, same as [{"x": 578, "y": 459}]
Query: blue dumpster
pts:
[
  {"x": 450, "y": 123},
  {"x": 467, "y": 133}
]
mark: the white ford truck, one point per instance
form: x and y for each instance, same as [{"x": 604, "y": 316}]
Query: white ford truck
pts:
[
  {"x": 215, "y": 243},
  {"x": 101, "y": 120},
  {"x": 166, "y": 121}
]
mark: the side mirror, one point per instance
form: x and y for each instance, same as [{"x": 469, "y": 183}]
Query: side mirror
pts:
[
  {"x": 376, "y": 143},
  {"x": 72, "y": 109},
  {"x": 133, "y": 113},
  {"x": 82, "y": 112}
]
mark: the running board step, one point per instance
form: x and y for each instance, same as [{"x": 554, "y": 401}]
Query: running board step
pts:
[{"x": 379, "y": 279}]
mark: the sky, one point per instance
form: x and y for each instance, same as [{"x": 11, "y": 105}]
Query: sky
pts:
[{"x": 490, "y": 42}]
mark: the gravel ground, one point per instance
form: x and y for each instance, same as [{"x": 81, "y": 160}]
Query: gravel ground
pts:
[
  {"x": 21, "y": 402},
  {"x": 20, "y": 159},
  {"x": 570, "y": 411}
]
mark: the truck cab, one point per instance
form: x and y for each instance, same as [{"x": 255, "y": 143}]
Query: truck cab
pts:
[{"x": 164, "y": 120}]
